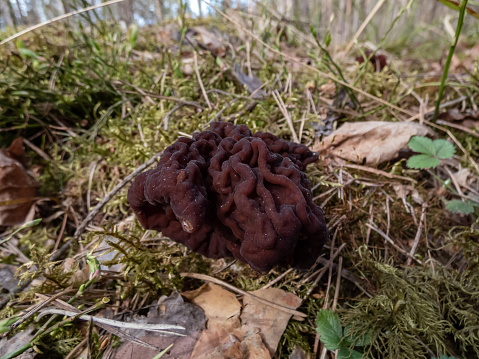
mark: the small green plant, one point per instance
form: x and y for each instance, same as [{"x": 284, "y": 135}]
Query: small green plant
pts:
[
  {"x": 431, "y": 152},
  {"x": 334, "y": 337},
  {"x": 464, "y": 207},
  {"x": 430, "y": 155}
]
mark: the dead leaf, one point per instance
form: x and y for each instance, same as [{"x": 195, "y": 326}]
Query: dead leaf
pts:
[
  {"x": 19, "y": 340},
  {"x": 252, "y": 83},
  {"x": 170, "y": 310},
  {"x": 207, "y": 39},
  {"x": 214, "y": 343},
  {"x": 17, "y": 187},
  {"x": 218, "y": 343},
  {"x": 79, "y": 276},
  {"x": 7, "y": 277},
  {"x": 463, "y": 177},
  {"x": 402, "y": 191},
  {"x": 371, "y": 142},
  {"x": 253, "y": 334},
  {"x": 221, "y": 306},
  {"x": 468, "y": 118},
  {"x": 268, "y": 320}
]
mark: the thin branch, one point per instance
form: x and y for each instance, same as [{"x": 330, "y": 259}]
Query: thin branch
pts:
[
  {"x": 418, "y": 234},
  {"x": 197, "y": 71},
  {"x": 112, "y": 193},
  {"x": 58, "y": 18}
]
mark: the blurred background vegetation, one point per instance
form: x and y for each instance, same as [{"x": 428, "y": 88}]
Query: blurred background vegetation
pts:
[{"x": 342, "y": 18}]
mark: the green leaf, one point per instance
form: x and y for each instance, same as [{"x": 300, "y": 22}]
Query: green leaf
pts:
[
  {"x": 27, "y": 53},
  {"x": 20, "y": 44},
  {"x": 329, "y": 329},
  {"x": 444, "y": 357},
  {"x": 458, "y": 206},
  {"x": 327, "y": 39},
  {"x": 422, "y": 161},
  {"x": 443, "y": 149},
  {"x": 133, "y": 34},
  {"x": 347, "y": 353},
  {"x": 422, "y": 145},
  {"x": 454, "y": 4}
]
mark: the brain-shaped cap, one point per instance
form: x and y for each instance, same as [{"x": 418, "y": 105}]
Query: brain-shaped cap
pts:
[{"x": 228, "y": 192}]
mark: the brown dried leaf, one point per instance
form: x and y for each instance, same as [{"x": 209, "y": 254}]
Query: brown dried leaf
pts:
[
  {"x": 468, "y": 118},
  {"x": 464, "y": 177},
  {"x": 17, "y": 188},
  {"x": 207, "y": 39},
  {"x": 218, "y": 343},
  {"x": 371, "y": 142},
  {"x": 171, "y": 310},
  {"x": 261, "y": 325},
  {"x": 270, "y": 322},
  {"x": 402, "y": 191},
  {"x": 221, "y": 306}
]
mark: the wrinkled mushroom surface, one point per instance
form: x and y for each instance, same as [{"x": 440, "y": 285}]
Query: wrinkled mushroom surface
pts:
[{"x": 228, "y": 192}]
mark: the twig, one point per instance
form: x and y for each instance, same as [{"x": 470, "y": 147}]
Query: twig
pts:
[
  {"x": 278, "y": 278},
  {"x": 458, "y": 127},
  {"x": 170, "y": 98},
  {"x": 170, "y": 113},
  {"x": 201, "y": 82},
  {"x": 90, "y": 180},
  {"x": 298, "y": 61},
  {"x": 75, "y": 350},
  {"x": 347, "y": 275},
  {"x": 382, "y": 234},
  {"x": 371, "y": 217},
  {"x": 226, "y": 266},
  {"x": 36, "y": 308},
  {"x": 62, "y": 229},
  {"x": 286, "y": 115},
  {"x": 157, "y": 328},
  {"x": 207, "y": 278},
  {"x": 113, "y": 330},
  {"x": 338, "y": 284},
  {"x": 418, "y": 234},
  {"x": 38, "y": 151},
  {"x": 378, "y": 172},
  {"x": 112, "y": 193},
  {"x": 365, "y": 23},
  {"x": 58, "y": 18}
]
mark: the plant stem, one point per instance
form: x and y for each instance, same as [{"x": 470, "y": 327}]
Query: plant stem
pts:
[
  {"x": 42, "y": 332},
  {"x": 460, "y": 22}
]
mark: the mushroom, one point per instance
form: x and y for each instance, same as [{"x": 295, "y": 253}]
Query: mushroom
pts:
[{"x": 229, "y": 192}]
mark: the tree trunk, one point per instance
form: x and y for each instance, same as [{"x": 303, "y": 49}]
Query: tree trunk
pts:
[
  {"x": 32, "y": 14},
  {"x": 66, "y": 6},
  {"x": 159, "y": 11},
  {"x": 199, "y": 9},
  {"x": 8, "y": 16},
  {"x": 127, "y": 11},
  {"x": 22, "y": 18}
]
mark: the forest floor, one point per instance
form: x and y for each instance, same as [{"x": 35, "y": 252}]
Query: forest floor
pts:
[{"x": 95, "y": 105}]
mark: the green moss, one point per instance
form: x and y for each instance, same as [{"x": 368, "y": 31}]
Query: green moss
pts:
[{"x": 416, "y": 310}]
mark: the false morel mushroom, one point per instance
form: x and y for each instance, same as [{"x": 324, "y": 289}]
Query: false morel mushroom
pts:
[{"x": 229, "y": 192}]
